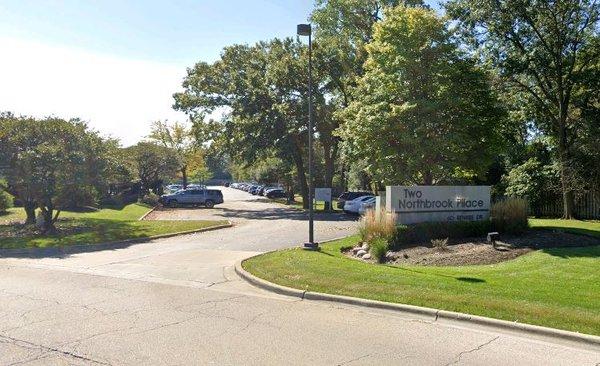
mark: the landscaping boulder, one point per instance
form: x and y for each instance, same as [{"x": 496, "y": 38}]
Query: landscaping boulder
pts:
[
  {"x": 366, "y": 256},
  {"x": 360, "y": 253}
]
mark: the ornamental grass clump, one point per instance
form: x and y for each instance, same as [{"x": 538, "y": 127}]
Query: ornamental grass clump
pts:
[
  {"x": 378, "y": 249},
  {"x": 510, "y": 216},
  {"x": 440, "y": 244},
  {"x": 377, "y": 225}
]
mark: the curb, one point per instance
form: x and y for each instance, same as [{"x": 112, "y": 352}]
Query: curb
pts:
[
  {"x": 147, "y": 213},
  {"x": 418, "y": 310},
  {"x": 101, "y": 246}
]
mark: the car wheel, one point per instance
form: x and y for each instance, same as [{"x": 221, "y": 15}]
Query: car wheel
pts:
[
  {"x": 173, "y": 203},
  {"x": 209, "y": 204}
]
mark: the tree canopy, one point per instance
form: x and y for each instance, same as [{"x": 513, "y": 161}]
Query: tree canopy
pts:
[
  {"x": 545, "y": 51},
  {"x": 51, "y": 164},
  {"x": 424, "y": 112}
]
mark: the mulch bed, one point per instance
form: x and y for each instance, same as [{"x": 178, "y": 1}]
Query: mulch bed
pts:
[{"x": 476, "y": 251}]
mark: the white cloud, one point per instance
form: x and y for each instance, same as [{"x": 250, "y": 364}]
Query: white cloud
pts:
[{"x": 119, "y": 97}]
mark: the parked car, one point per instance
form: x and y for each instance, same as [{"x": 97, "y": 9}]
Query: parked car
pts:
[
  {"x": 352, "y": 207},
  {"x": 205, "y": 197},
  {"x": 366, "y": 205},
  {"x": 174, "y": 187},
  {"x": 276, "y": 193},
  {"x": 349, "y": 196},
  {"x": 269, "y": 189}
]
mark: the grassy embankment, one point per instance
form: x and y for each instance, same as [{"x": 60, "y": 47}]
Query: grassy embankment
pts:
[
  {"x": 105, "y": 225},
  {"x": 558, "y": 288}
]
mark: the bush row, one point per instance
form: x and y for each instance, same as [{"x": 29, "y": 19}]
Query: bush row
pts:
[
  {"x": 507, "y": 217},
  {"x": 406, "y": 235}
]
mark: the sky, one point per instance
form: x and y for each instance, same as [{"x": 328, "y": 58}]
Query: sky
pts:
[{"x": 117, "y": 63}]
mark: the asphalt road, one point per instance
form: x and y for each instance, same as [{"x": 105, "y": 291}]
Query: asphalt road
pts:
[{"x": 178, "y": 301}]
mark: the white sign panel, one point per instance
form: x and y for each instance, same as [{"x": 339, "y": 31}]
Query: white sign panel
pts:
[
  {"x": 414, "y": 204},
  {"x": 323, "y": 194}
]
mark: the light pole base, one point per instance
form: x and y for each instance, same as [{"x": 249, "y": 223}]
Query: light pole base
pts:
[{"x": 311, "y": 246}]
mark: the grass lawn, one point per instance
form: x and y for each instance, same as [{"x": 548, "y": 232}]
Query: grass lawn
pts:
[
  {"x": 573, "y": 226},
  {"x": 557, "y": 288},
  {"x": 100, "y": 226}
]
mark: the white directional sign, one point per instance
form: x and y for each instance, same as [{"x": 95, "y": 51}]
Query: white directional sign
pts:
[
  {"x": 323, "y": 194},
  {"x": 414, "y": 204}
]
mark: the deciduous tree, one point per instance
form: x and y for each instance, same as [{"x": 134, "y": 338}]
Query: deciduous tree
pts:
[
  {"x": 544, "y": 50},
  {"x": 51, "y": 162},
  {"x": 424, "y": 113}
]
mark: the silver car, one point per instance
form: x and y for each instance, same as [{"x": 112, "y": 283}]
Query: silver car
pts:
[{"x": 205, "y": 197}]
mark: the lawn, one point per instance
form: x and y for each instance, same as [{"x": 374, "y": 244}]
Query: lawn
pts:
[
  {"x": 557, "y": 288},
  {"x": 573, "y": 226},
  {"x": 105, "y": 225}
]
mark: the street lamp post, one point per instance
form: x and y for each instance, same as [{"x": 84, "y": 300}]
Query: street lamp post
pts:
[{"x": 306, "y": 30}]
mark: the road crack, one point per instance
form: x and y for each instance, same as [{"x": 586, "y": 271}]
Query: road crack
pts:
[
  {"x": 354, "y": 359},
  {"x": 460, "y": 355},
  {"x": 44, "y": 350}
]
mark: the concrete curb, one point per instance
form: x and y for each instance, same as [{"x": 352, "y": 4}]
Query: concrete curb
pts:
[
  {"x": 436, "y": 314},
  {"x": 52, "y": 251},
  {"x": 147, "y": 213}
]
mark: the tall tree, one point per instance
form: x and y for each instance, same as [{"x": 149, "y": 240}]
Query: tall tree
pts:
[
  {"x": 263, "y": 90},
  {"x": 543, "y": 50},
  {"x": 423, "y": 112},
  {"x": 153, "y": 164},
  {"x": 51, "y": 162},
  {"x": 177, "y": 137},
  {"x": 343, "y": 28}
]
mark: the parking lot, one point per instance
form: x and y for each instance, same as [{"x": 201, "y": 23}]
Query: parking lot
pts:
[{"x": 256, "y": 218}]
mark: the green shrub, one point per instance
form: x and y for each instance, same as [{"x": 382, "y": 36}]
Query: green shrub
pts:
[
  {"x": 378, "y": 249},
  {"x": 112, "y": 201},
  {"x": 150, "y": 199},
  {"x": 406, "y": 235},
  {"x": 510, "y": 216},
  {"x": 6, "y": 201}
]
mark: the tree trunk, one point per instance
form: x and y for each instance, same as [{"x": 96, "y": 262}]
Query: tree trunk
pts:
[
  {"x": 329, "y": 154},
  {"x": 563, "y": 151},
  {"x": 29, "y": 208},
  {"x": 343, "y": 178},
  {"x": 48, "y": 223},
  {"x": 184, "y": 176},
  {"x": 427, "y": 178},
  {"x": 290, "y": 194},
  {"x": 329, "y": 157},
  {"x": 301, "y": 174}
]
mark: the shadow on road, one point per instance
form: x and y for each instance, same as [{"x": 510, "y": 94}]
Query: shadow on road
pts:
[
  {"x": 282, "y": 213},
  {"x": 67, "y": 251}
]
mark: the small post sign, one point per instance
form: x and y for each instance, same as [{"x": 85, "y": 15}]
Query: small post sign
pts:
[
  {"x": 323, "y": 194},
  {"x": 415, "y": 204}
]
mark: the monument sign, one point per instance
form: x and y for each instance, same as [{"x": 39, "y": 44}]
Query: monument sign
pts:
[{"x": 415, "y": 204}]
